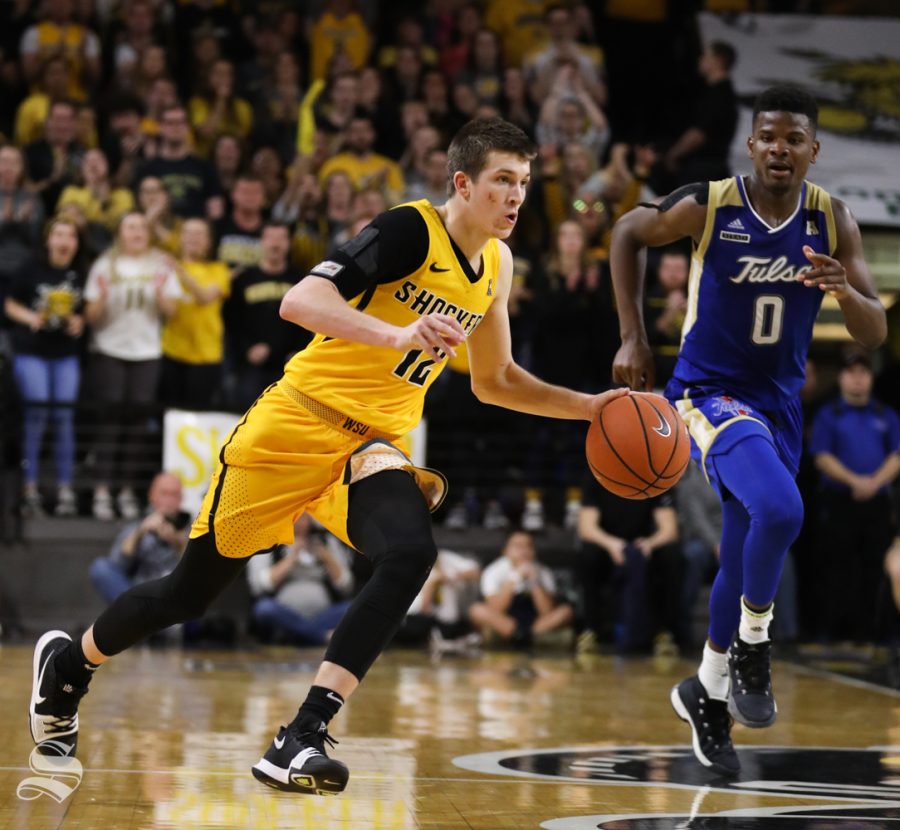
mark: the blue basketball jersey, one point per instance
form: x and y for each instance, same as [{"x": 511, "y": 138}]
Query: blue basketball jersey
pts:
[{"x": 749, "y": 321}]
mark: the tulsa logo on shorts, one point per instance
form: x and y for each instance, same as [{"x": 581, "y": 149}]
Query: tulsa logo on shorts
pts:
[{"x": 724, "y": 405}]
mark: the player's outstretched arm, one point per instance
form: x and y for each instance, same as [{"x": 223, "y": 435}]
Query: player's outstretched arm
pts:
[
  {"x": 848, "y": 279},
  {"x": 497, "y": 379},
  {"x": 316, "y": 304},
  {"x": 680, "y": 214}
]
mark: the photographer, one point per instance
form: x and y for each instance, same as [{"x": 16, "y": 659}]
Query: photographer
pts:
[
  {"x": 148, "y": 548},
  {"x": 301, "y": 591}
]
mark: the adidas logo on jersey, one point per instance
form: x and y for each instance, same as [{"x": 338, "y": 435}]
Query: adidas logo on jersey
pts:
[{"x": 736, "y": 225}]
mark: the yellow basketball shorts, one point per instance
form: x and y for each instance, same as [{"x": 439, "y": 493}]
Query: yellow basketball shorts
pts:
[{"x": 281, "y": 460}]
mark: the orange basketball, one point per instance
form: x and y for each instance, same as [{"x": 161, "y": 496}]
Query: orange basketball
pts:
[{"x": 638, "y": 447}]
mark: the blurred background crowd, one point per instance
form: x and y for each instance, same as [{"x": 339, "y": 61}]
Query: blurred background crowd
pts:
[{"x": 170, "y": 168}]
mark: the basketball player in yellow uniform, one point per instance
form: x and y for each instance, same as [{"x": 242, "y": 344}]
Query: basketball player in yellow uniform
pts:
[{"x": 390, "y": 307}]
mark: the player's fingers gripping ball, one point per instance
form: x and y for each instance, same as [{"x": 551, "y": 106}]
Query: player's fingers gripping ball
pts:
[{"x": 638, "y": 446}]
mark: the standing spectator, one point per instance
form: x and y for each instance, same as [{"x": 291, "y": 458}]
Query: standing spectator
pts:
[
  {"x": 569, "y": 113},
  {"x": 856, "y": 445},
  {"x": 261, "y": 340},
  {"x": 57, "y": 34},
  {"x": 218, "y": 110},
  {"x": 147, "y": 548},
  {"x": 412, "y": 163},
  {"x": 283, "y": 99},
  {"x": 339, "y": 29},
  {"x": 192, "y": 339},
  {"x": 98, "y": 198},
  {"x": 701, "y": 151},
  {"x": 190, "y": 181},
  {"x": 135, "y": 38},
  {"x": 433, "y": 185},
  {"x": 45, "y": 304},
  {"x": 454, "y": 55},
  {"x": 665, "y": 307},
  {"x": 21, "y": 216},
  {"x": 228, "y": 161},
  {"x": 632, "y": 547},
  {"x": 365, "y": 167},
  {"x": 129, "y": 291},
  {"x": 519, "y": 595},
  {"x": 318, "y": 225},
  {"x": 295, "y": 587},
  {"x": 267, "y": 167},
  {"x": 125, "y": 141},
  {"x": 484, "y": 68},
  {"x": 165, "y": 227},
  {"x": 238, "y": 234},
  {"x": 520, "y": 24},
  {"x": 54, "y": 160},
  {"x": 32, "y": 112},
  {"x": 515, "y": 103}
]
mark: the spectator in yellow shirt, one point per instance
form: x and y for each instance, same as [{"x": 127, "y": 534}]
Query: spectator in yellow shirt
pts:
[
  {"x": 365, "y": 168},
  {"x": 33, "y": 111},
  {"x": 192, "y": 337},
  {"x": 101, "y": 202},
  {"x": 339, "y": 29},
  {"x": 219, "y": 110}
]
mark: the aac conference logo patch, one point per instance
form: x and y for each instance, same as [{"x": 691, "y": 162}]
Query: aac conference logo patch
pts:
[{"x": 870, "y": 778}]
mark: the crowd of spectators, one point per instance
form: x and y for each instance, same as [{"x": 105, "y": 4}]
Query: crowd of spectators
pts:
[{"x": 169, "y": 168}]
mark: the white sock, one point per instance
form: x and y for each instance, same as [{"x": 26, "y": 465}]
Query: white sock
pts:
[
  {"x": 754, "y": 626},
  {"x": 713, "y": 673}
]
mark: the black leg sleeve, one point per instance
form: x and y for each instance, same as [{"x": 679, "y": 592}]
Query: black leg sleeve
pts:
[
  {"x": 389, "y": 522},
  {"x": 200, "y": 576}
]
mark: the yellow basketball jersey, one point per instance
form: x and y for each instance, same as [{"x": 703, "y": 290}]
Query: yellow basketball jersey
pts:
[{"x": 382, "y": 387}]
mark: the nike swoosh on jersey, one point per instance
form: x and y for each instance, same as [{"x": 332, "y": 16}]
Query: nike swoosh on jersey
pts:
[{"x": 434, "y": 267}]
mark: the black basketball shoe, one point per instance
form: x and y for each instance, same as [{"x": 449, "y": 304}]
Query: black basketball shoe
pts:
[
  {"x": 710, "y": 726},
  {"x": 53, "y": 712},
  {"x": 296, "y": 761},
  {"x": 751, "y": 701}
]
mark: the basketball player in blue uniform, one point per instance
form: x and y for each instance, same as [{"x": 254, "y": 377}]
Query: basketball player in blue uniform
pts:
[{"x": 767, "y": 247}]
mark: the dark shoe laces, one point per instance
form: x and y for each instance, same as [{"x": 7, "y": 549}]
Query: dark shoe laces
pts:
[
  {"x": 715, "y": 724},
  {"x": 317, "y": 737},
  {"x": 751, "y": 661}
]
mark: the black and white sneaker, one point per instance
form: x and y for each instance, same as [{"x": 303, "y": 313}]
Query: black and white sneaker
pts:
[
  {"x": 751, "y": 701},
  {"x": 53, "y": 712},
  {"x": 296, "y": 761},
  {"x": 710, "y": 726}
]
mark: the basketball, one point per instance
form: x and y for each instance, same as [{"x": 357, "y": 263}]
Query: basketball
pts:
[{"x": 638, "y": 447}]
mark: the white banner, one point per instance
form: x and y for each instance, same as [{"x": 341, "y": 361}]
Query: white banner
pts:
[
  {"x": 852, "y": 67},
  {"x": 191, "y": 442}
]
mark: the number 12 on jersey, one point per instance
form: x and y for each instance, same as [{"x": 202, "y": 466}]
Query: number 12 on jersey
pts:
[{"x": 412, "y": 369}]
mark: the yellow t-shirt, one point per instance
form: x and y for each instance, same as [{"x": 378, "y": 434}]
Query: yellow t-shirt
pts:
[
  {"x": 331, "y": 34},
  {"x": 194, "y": 333},
  {"x": 30, "y": 118},
  {"x": 366, "y": 172},
  {"x": 106, "y": 213},
  {"x": 520, "y": 25},
  {"x": 238, "y": 121},
  {"x": 385, "y": 388},
  {"x": 72, "y": 40}
]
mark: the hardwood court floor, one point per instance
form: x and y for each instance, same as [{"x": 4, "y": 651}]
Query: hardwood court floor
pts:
[{"x": 167, "y": 739}]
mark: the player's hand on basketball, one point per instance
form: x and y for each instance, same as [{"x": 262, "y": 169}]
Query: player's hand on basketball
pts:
[
  {"x": 633, "y": 365},
  {"x": 597, "y": 402},
  {"x": 437, "y": 334},
  {"x": 827, "y": 274}
]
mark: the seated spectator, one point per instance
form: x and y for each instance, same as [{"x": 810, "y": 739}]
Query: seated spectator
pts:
[
  {"x": 433, "y": 186},
  {"x": 147, "y": 548},
  {"x": 365, "y": 168},
  {"x": 228, "y": 162},
  {"x": 700, "y": 523},
  {"x": 855, "y": 442},
  {"x": 21, "y": 217},
  {"x": 484, "y": 68},
  {"x": 441, "y": 604},
  {"x": 266, "y": 165},
  {"x": 301, "y": 591},
  {"x": 45, "y": 304},
  {"x": 192, "y": 339},
  {"x": 665, "y": 307},
  {"x": 53, "y": 161},
  {"x": 283, "y": 99},
  {"x": 125, "y": 141},
  {"x": 190, "y": 181},
  {"x": 100, "y": 200},
  {"x": 133, "y": 40},
  {"x": 412, "y": 162},
  {"x": 519, "y": 595},
  {"x": 217, "y": 110},
  {"x": 515, "y": 104},
  {"x": 32, "y": 112},
  {"x": 631, "y": 559}
]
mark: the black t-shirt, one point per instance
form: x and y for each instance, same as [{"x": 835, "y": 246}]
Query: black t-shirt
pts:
[
  {"x": 252, "y": 315},
  {"x": 235, "y": 246},
  {"x": 190, "y": 181},
  {"x": 57, "y": 294},
  {"x": 717, "y": 116},
  {"x": 627, "y": 519}
]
